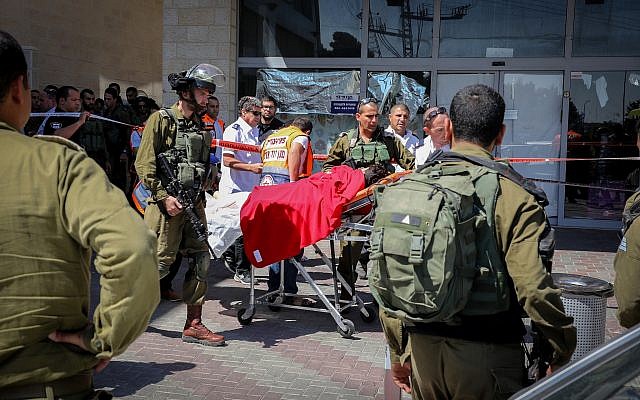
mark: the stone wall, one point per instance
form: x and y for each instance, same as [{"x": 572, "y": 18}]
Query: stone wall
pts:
[
  {"x": 90, "y": 43},
  {"x": 201, "y": 31}
]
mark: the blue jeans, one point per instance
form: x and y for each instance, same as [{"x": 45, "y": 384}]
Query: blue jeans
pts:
[
  {"x": 290, "y": 270},
  {"x": 290, "y": 275}
]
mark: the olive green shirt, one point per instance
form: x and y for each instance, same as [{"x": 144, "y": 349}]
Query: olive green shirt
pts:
[
  {"x": 57, "y": 205},
  {"x": 627, "y": 267},
  {"x": 341, "y": 150},
  {"x": 519, "y": 224},
  {"x": 159, "y": 135}
]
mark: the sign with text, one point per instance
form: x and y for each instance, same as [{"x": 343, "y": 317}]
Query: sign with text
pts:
[{"x": 344, "y": 104}]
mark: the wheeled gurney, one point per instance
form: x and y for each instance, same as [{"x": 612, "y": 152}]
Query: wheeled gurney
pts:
[{"x": 357, "y": 215}]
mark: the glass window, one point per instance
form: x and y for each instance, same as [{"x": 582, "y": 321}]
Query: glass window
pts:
[
  {"x": 410, "y": 87},
  {"x": 300, "y": 28},
  {"x": 601, "y": 126},
  {"x": 398, "y": 30},
  {"x": 502, "y": 28},
  {"x": 606, "y": 28},
  {"x": 310, "y": 93}
]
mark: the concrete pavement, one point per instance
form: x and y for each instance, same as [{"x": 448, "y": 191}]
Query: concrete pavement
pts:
[{"x": 291, "y": 354}]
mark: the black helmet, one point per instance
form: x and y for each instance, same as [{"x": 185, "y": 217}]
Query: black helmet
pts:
[{"x": 203, "y": 76}]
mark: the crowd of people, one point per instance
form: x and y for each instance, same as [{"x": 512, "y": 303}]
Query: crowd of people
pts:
[{"x": 51, "y": 345}]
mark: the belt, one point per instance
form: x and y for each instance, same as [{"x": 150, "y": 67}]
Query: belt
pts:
[{"x": 62, "y": 387}]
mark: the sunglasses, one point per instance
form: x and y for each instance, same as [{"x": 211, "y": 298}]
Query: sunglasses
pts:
[
  {"x": 435, "y": 113},
  {"x": 368, "y": 100},
  {"x": 256, "y": 113}
]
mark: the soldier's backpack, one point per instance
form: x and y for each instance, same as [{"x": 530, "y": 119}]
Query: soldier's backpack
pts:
[
  {"x": 425, "y": 240},
  {"x": 630, "y": 213}
]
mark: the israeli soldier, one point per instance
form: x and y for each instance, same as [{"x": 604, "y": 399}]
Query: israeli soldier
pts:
[
  {"x": 480, "y": 355},
  {"x": 176, "y": 134},
  {"x": 627, "y": 266},
  {"x": 57, "y": 207},
  {"x": 363, "y": 147}
]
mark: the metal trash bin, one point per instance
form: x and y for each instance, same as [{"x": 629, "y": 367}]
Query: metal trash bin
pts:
[{"x": 585, "y": 299}]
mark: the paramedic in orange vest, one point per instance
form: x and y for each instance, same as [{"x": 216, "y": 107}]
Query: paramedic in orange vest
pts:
[
  {"x": 286, "y": 157},
  {"x": 214, "y": 124}
]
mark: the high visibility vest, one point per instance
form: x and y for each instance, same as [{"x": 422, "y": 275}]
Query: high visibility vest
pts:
[{"x": 275, "y": 152}]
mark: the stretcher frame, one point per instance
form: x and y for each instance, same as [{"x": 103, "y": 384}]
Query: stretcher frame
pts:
[
  {"x": 355, "y": 217},
  {"x": 331, "y": 303}
]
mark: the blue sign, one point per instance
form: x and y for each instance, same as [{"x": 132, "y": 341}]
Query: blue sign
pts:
[{"x": 344, "y": 106}]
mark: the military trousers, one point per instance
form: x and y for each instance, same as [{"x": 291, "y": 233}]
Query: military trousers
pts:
[
  {"x": 176, "y": 234},
  {"x": 348, "y": 261},
  {"x": 446, "y": 368}
]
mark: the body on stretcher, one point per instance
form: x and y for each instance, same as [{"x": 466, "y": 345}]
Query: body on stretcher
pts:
[{"x": 357, "y": 215}]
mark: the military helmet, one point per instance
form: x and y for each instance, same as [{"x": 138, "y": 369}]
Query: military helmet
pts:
[{"x": 203, "y": 76}]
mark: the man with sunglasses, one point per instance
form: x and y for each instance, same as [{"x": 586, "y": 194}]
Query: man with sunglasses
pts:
[
  {"x": 437, "y": 128},
  {"x": 241, "y": 173},
  {"x": 366, "y": 146}
]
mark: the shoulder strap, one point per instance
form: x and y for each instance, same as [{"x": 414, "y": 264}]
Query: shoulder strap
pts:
[{"x": 503, "y": 169}]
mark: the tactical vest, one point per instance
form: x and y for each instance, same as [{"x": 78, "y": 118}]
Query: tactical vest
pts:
[
  {"x": 367, "y": 154},
  {"x": 275, "y": 152},
  {"x": 189, "y": 156},
  {"x": 91, "y": 138}
]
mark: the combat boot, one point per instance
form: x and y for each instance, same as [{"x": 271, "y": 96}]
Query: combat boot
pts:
[{"x": 195, "y": 331}]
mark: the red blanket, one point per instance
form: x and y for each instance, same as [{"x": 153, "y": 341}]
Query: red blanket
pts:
[{"x": 278, "y": 221}]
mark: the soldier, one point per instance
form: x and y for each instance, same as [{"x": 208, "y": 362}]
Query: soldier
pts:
[
  {"x": 49, "y": 345},
  {"x": 176, "y": 133},
  {"x": 627, "y": 266},
  {"x": 481, "y": 356},
  {"x": 363, "y": 147}
]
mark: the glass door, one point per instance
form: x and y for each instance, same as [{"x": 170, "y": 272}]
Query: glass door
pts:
[{"x": 533, "y": 118}]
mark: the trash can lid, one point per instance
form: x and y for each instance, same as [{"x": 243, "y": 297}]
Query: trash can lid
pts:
[{"x": 582, "y": 285}]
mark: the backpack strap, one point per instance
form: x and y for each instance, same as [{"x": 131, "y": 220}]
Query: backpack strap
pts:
[
  {"x": 503, "y": 169},
  {"x": 630, "y": 214}
]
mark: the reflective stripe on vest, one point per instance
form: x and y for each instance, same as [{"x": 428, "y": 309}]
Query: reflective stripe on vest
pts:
[{"x": 275, "y": 152}]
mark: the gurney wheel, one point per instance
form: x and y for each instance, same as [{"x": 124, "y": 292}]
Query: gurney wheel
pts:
[
  {"x": 367, "y": 314},
  {"x": 244, "y": 320},
  {"x": 350, "y": 328}
]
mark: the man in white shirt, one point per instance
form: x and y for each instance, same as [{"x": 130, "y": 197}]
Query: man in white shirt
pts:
[
  {"x": 437, "y": 127},
  {"x": 241, "y": 169},
  {"x": 398, "y": 120},
  {"x": 241, "y": 173}
]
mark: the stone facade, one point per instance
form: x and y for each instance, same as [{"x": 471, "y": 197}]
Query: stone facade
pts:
[
  {"x": 201, "y": 31},
  {"x": 89, "y": 44}
]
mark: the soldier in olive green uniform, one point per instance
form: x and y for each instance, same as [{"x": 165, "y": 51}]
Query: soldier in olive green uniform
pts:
[
  {"x": 363, "y": 147},
  {"x": 58, "y": 206},
  {"x": 627, "y": 265},
  {"x": 481, "y": 358},
  {"x": 177, "y": 135}
]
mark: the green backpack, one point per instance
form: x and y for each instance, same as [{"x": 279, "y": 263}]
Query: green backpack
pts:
[
  {"x": 423, "y": 243},
  {"x": 433, "y": 243}
]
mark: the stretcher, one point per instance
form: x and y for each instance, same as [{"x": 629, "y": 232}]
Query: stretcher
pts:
[{"x": 357, "y": 215}]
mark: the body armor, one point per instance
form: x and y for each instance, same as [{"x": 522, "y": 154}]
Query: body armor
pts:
[{"x": 189, "y": 157}]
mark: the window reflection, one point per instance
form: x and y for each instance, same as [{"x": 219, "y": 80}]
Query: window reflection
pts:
[
  {"x": 300, "y": 28},
  {"x": 601, "y": 126},
  {"x": 401, "y": 29},
  {"x": 607, "y": 28},
  {"x": 409, "y": 87},
  {"x": 502, "y": 28}
]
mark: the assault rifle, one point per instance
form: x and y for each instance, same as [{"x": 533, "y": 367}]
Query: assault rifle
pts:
[
  {"x": 186, "y": 197},
  {"x": 540, "y": 357}
]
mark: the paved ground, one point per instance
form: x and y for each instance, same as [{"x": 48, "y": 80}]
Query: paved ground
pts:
[{"x": 290, "y": 354}]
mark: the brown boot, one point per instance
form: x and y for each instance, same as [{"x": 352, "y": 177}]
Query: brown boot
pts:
[{"x": 195, "y": 331}]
